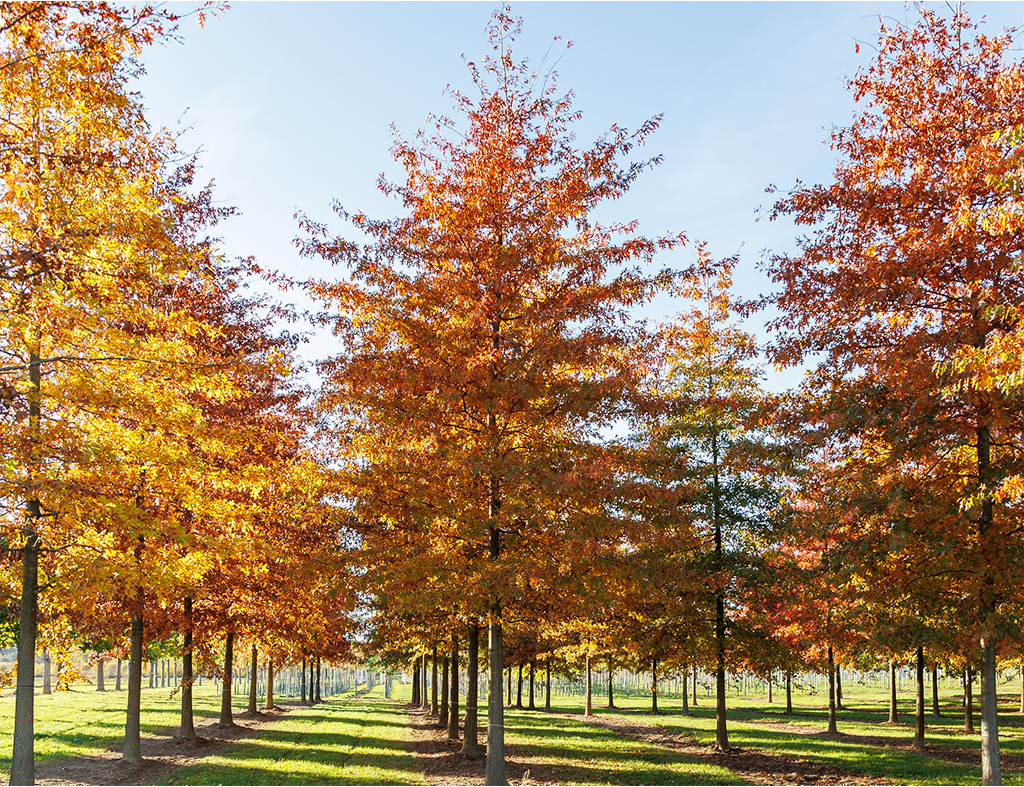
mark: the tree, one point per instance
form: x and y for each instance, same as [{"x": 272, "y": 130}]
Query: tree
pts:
[
  {"x": 904, "y": 287},
  {"x": 491, "y": 324}
]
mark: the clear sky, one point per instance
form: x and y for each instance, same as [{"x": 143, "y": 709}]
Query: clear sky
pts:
[{"x": 292, "y": 104}]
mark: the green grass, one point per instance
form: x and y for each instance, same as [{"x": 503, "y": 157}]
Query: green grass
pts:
[{"x": 361, "y": 739}]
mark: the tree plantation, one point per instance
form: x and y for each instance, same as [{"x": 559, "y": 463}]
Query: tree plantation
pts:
[{"x": 516, "y": 525}]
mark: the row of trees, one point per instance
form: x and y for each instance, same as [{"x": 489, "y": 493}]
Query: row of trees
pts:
[
  {"x": 157, "y": 484},
  {"x": 519, "y": 452}
]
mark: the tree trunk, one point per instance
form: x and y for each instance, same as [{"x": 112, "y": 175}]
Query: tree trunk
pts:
[
  {"x": 453, "y": 703},
  {"x": 770, "y": 677},
  {"x": 253, "y": 676},
  {"x": 654, "y": 685},
  {"x": 519, "y": 688},
  {"x": 721, "y": 731},
  {"x": 319, "y": 698},
  {"x": 302, "y": 683},
  {"x": 789, "y": 693},
  {"x": 919, "y": 720},
  {"x": 187, "y": 730},
  {"x": 226, "y": 719},
  {"x": 839, "y": 687},
  {"x": 495, "y": 771},
  {"x": 132, "y": 753},
  {"x": 547, "y": 685},
  {"x": 509, "y": 700},
  {"x": 936, "y": 712},
  {"x": 611, "y": 697},
  {"x": 531, "y": 706},
  {"x": 424, "y": 702},
  {"x": 433, "y": 682},
  {"x": 23, "y": 769},
  {"x": 101, "y": 668},
  {"x": 893, "y": 714},
  {"x": 470, "y": 744},
  {"x": 270, "y": 684},
  {"x": 695, "y": 686},
  {"x": 117, "y": 681},
  {"x": 442, "y": 719},
  {"x": 831, "y": 692},
  {"x": 969, "y": 700},
  {"x": 415, "y": 683},
  {"x": 991, "y": 772},
  {"x": 590, "y": 707},
  {"x": 686, "y": 691}
]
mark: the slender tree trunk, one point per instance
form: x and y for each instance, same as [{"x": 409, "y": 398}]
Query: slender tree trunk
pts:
[
  {"x": 253, "y": 677},
  {"x": 132, "y": 753},
  {"x": 319, "y": 697},
  {"x": 442, "y": 719},
  {"x": 969, "y": 700},
  {"x": 831, "y": 692},
  {"x": 519, "y": 688},
  {"x": 117, "y": 681},
  {"x": 590, "y": 706},
  {"x": 531, "y": 706},
  {"x": 416, "y": 690},
  {"x": 302, "y": 683},
  {"x": 470, "y": 744},
  {"x": 101, "y": 668},
  {"x": 919, "y": 709},
  {"x": 686, "y": 691},
  {"x": 547, "y": 685},
  {"x": 433, "y": 682},
  {"x": 789, "y": 693},
  {"x": 226, "y": 719},
  {"x": 495, "y": 771},
  {"x": 23, "y": 767},
  {"x": 611, "y": 697},
  {"x": 991, "y": 773},
  {"x": 453, "y": 704},
  {"x": 270, "y": 684},
  {"x": 936, "y": 712},
  {"x": 721, "y": 730},
  {"x": 839, "y": 687},
  {"x": 187, "y": 730},
  {"x": 508, "y": 701},
  {"x": 893, "y": 713},
  {"x": 425, "y": 703},
  {"x": 694, "y": 686},
  {"x": 654, "y": 685},
  {"x": 770, "y": 678},
  {"x": 1021, "y": 710}
]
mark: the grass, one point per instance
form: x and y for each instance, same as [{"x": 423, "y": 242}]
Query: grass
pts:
[{"x": 357, "y": 739}]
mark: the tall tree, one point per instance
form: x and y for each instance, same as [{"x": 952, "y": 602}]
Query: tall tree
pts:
[
  {"x": 491, "y": 324},
  {"x": 904, "y": 286}
]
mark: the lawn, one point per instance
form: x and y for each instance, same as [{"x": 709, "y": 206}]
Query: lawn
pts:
[{"x": 362, "y": 739}]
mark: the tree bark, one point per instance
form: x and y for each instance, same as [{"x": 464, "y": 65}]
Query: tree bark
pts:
[
  {"x": 508, "y": 702},
  {"x": 433, "y": 682},
  {"x": 226, "y": 719},
  {"x": 694, "y": 686},
  {"x": 319, "y": 698},
  {"x": 991, "y": 772},
  {"x": 453, "y": 703},
  {"x": 654, "y": 685},
  {"x": 839, "y": 687},
  {"x": 101, "y": 666},
  {"x": 23, "y": 767},
  {"x": 270, "y": 684},
  {"x": 470, "y": 744},
  {"x": 519, "y": 688},
  {"x": 893, "y": 712},
  {"x": 442, "y": 719},
  {"x": 495, "y": 770},
  {"x": 590, "y": 707},
  {"x": 919, "y": 720},
  {"x": 611, "y": 696},
  {"x": 721, "y": 730},
  {"x": 686, "y": 691},
  {"x": 416, "y": 683},
  {"x": 187, "y": 730},
  {"x": 789, "y": 693},
  {"x": 424, "y": 703},
  {"x": 302, "y": 683},
  {"x": 132, "y": 753},
  {"x": 770, "y": 679},
  {"x": 969, "y": 700},
  {"x": 547, "y": 684},
  {"x": 831, "y": 692},
  {"x": 117, "y": 680},
  {"x": 253, "y": 677},
  {"x": 531, "y": 704},
  {"x": 936, "y": 712}
]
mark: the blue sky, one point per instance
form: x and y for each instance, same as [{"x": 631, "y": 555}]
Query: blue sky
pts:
[{"x": 292, "y": 104}]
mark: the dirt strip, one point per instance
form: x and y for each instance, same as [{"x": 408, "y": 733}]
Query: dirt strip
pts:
[{"x": 754, "y": 766}]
